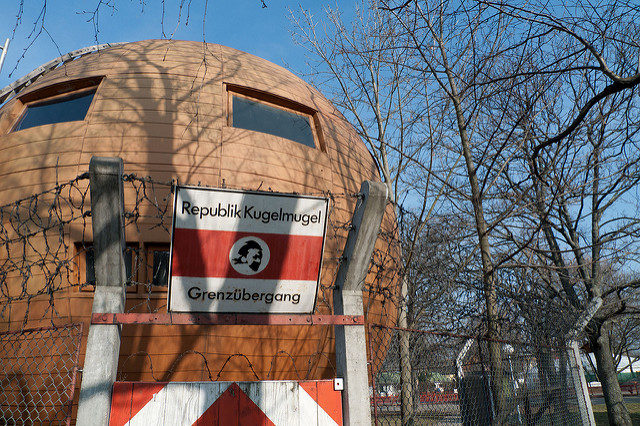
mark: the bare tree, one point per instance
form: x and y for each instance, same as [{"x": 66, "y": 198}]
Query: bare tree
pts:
[
  {"x": 578, "y": 193},
  {"x": 438, "y": 296},
  {"x": 520, "y": 116},
  {"x": 365, "y": 71},
  {"x": 625, "y": 343},
  {"x": 433, "y": 100}
]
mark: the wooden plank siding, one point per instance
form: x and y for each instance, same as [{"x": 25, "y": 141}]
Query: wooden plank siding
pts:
[{"x": 163, "y": 110}]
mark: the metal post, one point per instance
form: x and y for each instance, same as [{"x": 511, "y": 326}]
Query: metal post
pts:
[
  {"x": 103, "y": 343},
  {"x": 351, "y": 348},
  {"x": 4, "y": 53}
]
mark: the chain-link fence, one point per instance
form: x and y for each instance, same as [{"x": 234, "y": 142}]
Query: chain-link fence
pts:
[
  {"x": 38, "y": 374},
  {"x": 47, "y": 278},
  {"x": 229, "y": 352},
  {"x": 38, "y": 260},
  {"x": 449, "y": 378}
]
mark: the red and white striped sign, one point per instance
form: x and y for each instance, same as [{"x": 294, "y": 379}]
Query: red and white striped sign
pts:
[
  {"x": 234, "y": 251},
  {"x": 288, "y": 403}
]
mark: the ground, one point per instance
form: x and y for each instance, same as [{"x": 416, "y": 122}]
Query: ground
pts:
[{"x": 600, "y": 413}]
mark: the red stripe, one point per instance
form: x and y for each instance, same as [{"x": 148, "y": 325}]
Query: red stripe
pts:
[
  {"x": 233, "y": 407},
  {"x": 121, "y": 404},
  {"x": 327, "y": 399},
  {"x": 129, "y": 398},
  {"x": 205, "y": 253}
]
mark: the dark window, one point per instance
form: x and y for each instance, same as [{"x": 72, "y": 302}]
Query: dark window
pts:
[
  {"x": 128, "y": 263},
  {"x": 257, "y": 116},
  {"x": 69, "y": 108},
  {"x": 160, "y": 268},
  {"x": 90, "y": 272}
]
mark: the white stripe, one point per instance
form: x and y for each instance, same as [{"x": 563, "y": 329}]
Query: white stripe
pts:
[
  {"x": 276, "y": 399},
  {"x": 152, "y": 412},
  {"x": 179, "y": 403},
  {"x": 286, "y": 403},
  {"x": 309, "y": 409},
  {"x": 275, "y": 212},
  {"x": 195, "y": 294}
]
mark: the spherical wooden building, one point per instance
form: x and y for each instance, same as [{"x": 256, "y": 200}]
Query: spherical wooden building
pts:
[{"x": 198, "y": 114}]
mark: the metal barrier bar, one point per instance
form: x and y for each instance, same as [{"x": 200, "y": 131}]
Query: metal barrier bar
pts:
[{"x": 225, "y": 319}]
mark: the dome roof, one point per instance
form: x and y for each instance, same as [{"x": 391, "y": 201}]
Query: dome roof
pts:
[
  {"x": 163, "y": 106},
  {"x": 166, "y": 108}
]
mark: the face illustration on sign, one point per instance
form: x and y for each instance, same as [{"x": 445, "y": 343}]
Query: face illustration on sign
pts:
[
  {"x": 249, "y": 255},
  {"x": 264, "y": 251}
]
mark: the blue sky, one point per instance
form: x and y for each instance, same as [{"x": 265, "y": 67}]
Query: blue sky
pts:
[{"x": 242, "y": 24}]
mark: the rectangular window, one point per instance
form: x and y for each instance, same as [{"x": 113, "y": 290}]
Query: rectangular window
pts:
[
  {"x": 259, "y": 111},
  {"x": 57, "y": 110},
  {"x": 89, "y": 268},
  {"x": 145, "y": 263},
  {"x": 87, "y": 264},
  {"x": 159, "y": 262}
]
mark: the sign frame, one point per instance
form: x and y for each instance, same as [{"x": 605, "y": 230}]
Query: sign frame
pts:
[{"x": 254, "y": 193}]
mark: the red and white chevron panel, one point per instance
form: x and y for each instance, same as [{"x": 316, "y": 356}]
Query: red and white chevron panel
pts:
[{"x": 226, "y": 403}]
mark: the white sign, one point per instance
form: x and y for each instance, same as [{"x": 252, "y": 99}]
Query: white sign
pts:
[{"x": 234, "y": 251}]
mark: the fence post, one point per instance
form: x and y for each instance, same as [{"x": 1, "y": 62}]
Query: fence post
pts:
[
  {"x": 406, "y": 373},
  {"x": 580, "y": 385},
  {"x": 351, "y": 347},
  {"x": 103, "y": 343},
  {"x": 575, "y": 363}
]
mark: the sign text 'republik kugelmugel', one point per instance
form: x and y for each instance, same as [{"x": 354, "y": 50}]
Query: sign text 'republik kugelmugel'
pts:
[{"x": 239, "y": 251}]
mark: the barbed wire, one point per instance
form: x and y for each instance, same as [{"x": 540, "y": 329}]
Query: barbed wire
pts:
[
  {"x": 46, "y": 249},
  {"x": 34, "y": 245},
  {"x": 160, "y": 375}
]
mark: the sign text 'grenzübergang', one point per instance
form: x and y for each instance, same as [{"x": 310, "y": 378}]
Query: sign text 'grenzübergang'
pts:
[{"x": 236, "y": 251}]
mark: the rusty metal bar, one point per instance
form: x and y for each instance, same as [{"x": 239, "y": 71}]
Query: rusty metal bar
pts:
[{"x": 225, "y": 319}]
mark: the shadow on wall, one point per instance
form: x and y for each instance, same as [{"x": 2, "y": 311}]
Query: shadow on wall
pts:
[{"x": 162, "y": 107}]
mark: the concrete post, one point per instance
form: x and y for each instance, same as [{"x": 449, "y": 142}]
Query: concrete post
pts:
[
  {"x": 103, "y": 343},
  {"x": 575, "y": 363},
  {"x": 351, "y": 347},
  {"x": 580, "y": 385},
  {"x": 406, "y": 385}
]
